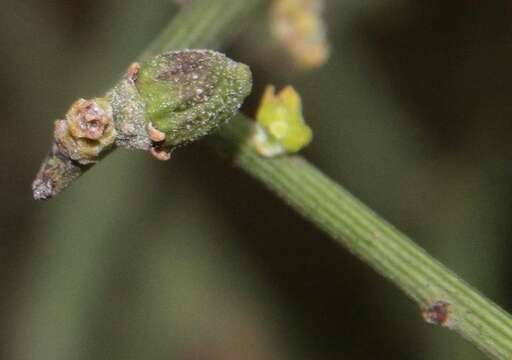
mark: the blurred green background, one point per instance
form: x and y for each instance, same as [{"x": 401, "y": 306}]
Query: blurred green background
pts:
[{"x": 192, "y": 259}]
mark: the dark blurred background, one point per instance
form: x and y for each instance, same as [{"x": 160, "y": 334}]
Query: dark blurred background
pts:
[{"x": 192, "y": 259}]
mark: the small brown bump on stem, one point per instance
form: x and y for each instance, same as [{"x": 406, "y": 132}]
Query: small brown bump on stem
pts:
[
  {"x": 161, "y": 154},
  {"x": 133, "y": 71},
  {"x": 155, "y": 134},
  {"x": 437, "y": 313}
]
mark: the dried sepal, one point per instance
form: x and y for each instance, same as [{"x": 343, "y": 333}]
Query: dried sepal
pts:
[
  {"x": 161, "y": 153},
  {"x": 133, "y": 71},
  {"x": 81, "y": 139},
  {"x": 87, "y": 131},
  {"x": 154, "y": 134}
]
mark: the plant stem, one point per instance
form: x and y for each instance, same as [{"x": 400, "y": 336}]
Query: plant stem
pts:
[
  {"x": 203, "y": 24},
  {"x": 444, "y": 298}
]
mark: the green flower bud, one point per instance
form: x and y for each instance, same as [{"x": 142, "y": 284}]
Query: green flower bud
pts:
[{"x": 188, "y": 94}]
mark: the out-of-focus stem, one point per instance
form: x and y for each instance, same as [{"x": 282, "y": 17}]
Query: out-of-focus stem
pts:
[{"x": 203, "y": 24}]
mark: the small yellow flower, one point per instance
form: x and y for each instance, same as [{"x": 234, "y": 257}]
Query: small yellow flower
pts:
[
  {"x": 280, "y": 125},
  {"x": 298, "y": 25}
]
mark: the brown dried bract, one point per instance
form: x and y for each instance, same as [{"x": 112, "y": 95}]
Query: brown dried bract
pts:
[
  {"x": 161, "y": 154},
  {"x": 154, "y": 134},
  {"x": 87, "y": 130},
  {"x": 133, "y": 71},
  {"x": 437, "y": 313}
]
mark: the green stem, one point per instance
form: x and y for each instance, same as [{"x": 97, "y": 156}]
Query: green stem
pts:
[
  {"x": 334, "y": 210},
  {"x": 202, "y": 24}
]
